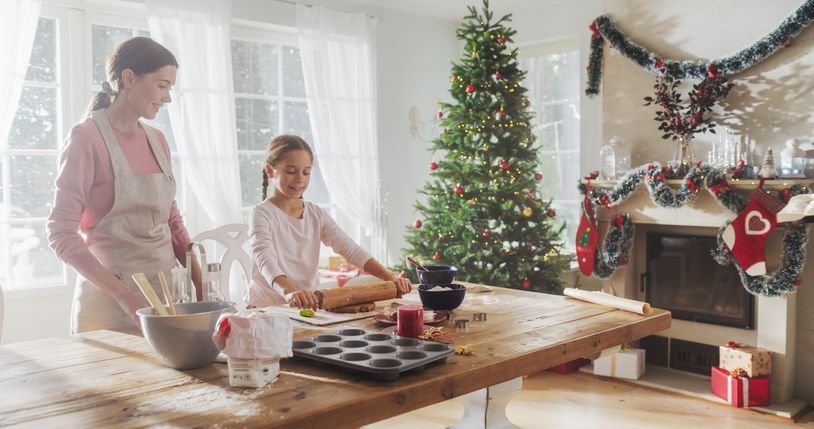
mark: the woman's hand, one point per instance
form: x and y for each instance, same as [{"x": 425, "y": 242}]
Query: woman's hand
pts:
[
  {"x": 130, "y": 302},
  {"x": 403, "y": 285},
  {"x": 304, "y": 299}
]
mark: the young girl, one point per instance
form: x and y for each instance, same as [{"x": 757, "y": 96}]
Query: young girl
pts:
[
  {"x": 286, "y": 233},
  {"x": 115, "y": 187}
]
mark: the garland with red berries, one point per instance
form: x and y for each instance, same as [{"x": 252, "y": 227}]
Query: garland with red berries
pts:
[
  {"x": 604, "y": 29},
  {"x": 619, "y": 239}
]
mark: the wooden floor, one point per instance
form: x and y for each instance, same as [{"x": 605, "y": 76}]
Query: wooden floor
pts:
[{"x": 579, "y": 400}]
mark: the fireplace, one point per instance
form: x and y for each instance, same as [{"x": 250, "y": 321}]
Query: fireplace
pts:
[
  {"x": 682, "y": 277},
  {"x": 671, "y": 247}
]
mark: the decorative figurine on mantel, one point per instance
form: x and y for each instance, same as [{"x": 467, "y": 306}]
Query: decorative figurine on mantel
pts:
[
  {"x": 767, "y": 171},
  {"x": 792, "y": 160},
  {"x": 614, "y": 159}
]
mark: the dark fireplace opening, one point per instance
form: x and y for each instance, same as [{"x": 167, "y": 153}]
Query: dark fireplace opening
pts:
[{"x": 682, "y": 277}]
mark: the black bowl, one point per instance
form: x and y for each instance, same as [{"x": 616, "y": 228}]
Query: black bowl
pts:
[
  {"x": 436, "y": 274},
  {"x": 448, "y": 299}
]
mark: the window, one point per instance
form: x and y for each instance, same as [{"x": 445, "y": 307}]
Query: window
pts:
[
  {"x": 553, "y": 84},
  {"x": 28, "y": 170},
  {"x": 66, "y": 69},
  {"x": 269, "y": 100}
]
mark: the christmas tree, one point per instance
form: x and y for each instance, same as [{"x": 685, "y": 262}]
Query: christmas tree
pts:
[{"x": 483, "y": 213}]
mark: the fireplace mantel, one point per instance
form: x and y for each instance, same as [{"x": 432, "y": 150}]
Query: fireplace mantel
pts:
[{"x": 775, "y": 318}]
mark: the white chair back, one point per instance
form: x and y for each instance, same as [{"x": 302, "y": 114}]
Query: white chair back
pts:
[
  {"x": 2, "y": 311},
  {"x": 230, "y": 245}
]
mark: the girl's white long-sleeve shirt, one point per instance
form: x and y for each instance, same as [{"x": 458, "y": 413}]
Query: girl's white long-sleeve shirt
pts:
[{"x": 283, "y": 245}]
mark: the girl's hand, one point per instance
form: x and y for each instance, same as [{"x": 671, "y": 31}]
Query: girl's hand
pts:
[
  {"x": 403, "y": 285},
  {"x": 304, "y": 299}
]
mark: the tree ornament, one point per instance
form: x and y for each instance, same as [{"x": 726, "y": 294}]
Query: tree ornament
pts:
[
  {"x": 486, "y": 233},
  {"x": 526, "y": 283},
  {"x": 767, "y": 171},
  {"x": 458, "y": 190},
  {"x": 551, "y": 213},
  {"x": 502, "y": 40},
  {"x": 440, "y": 114},
  {"x": 526, "y": 102},
  {"x": 470, "y": 88},
  {"x": 436, "y": 256},
  {"x": 417, "y": 224},
  {"x": 527, "y": 211},
  {"x": 504, "y": 165},
  {"x": 497, "y": 75},
  {"x": 746, "y": 235},
  {"x": 538, "y": 176},
  {"x": 433, "y": 166},
  {"x": 501, "y": 113},
  {"x": 402, "y": 275}
]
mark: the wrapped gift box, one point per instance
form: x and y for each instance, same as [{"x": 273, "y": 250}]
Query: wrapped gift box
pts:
[
  {"x": 626, "y": 363},
  {"x": 740, "y": 391},
  {"x": 756, "y": 362},
  {"x": 569, "y": 367}
]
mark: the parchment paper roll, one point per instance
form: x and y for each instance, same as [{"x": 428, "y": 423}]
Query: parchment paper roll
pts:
[{"x": 607, "y": 300}]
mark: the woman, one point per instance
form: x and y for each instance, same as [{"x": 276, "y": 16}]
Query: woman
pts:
[{"x": 116, "y": 188}]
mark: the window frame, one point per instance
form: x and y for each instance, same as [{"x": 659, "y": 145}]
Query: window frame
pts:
[
  {"x": 538, "y": 49},
  {"x": 74, "y": 23}
]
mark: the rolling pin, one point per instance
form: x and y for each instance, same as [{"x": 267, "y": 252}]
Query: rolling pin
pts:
[{"x": 359, "y": 294}]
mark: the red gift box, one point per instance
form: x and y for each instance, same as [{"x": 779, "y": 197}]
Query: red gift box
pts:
[
  {"x": 569, "y": 367},
  {"x": 740, "y": 391}
]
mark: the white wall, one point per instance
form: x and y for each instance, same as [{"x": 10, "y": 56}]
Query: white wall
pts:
[{"x": 771, "y": 102}]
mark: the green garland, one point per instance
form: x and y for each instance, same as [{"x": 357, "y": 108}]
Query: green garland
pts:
[
  {"x": 617, "y": 243},
  {"x": 604, "y": 29},
  {"x": 619, "y": 238}
]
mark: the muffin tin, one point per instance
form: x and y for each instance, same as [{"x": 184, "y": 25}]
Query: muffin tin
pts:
[{"x": 384, "y": 356}]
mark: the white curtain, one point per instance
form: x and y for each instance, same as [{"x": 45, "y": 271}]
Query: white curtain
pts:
[
  {"x": 339, "y": 68},
  {"x": 202, "y": 112},
  {"x": 18, "y": 26}
]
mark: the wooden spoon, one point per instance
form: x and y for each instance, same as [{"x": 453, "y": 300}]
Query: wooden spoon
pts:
[
  {"x": 149, "y": 293},
  {"x": 414, "y": 262},
  {"x": 165, "y": 287}
]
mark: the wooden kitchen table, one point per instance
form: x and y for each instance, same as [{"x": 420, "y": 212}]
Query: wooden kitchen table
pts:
[{"x": 107, "y": 378}]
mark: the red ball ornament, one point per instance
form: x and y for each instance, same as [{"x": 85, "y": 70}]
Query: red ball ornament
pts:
[
  {"x": 433, "y": 166},
  {"x": 529, "y": 247},
  {"x": 502, "y": 40},
  {"x": 440, "y": 114},
  {"x": 538, "y": 176},
  {"x": 526, "y": 284},
  {"x": 486, "y": 233},
  {"x": 417, "y": 224},
  {"x": 436, "y": 256},
  {"x": 470, "y": 88},
  {"x": 497, "y": 75},
  {"x": 504, "y": 165},
  {"x": 402, "y": 275},
  {"x": 526, "y": 102},
  {"x": 501, "y": 114},
  {"x": 458, "y": 190},
  {"x": 551, "y": 213}
]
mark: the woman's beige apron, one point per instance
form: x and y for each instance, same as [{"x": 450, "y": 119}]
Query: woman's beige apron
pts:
[{"x": 133, "y": 237}]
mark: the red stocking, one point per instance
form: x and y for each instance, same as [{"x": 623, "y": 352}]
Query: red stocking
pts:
[
  {"x": 587, "y": 237},
  {"x": 746, "y": 235}
]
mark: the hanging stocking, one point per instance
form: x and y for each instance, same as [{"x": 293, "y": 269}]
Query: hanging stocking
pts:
[
  {"x": 587, "y": 237},
  {"x": 746, "y": 235}
]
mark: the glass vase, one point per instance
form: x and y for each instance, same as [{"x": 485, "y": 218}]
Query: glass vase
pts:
[{"x": 684, "y": 157}]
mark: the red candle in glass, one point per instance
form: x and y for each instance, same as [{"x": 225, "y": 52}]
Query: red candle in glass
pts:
[{"x": 410, "y": 321}]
